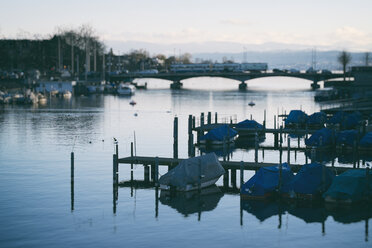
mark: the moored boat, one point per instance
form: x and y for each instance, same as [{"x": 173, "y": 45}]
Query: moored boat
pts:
[
  {"x": 193, "y": 173},
  {"x": 219, "y": 136},
  {"x": 126, "y": 89},
  {"x": 267, "y": 182}
]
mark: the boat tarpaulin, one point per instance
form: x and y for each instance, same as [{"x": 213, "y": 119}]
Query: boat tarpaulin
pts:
[
  {"x": 266, "y": 180},
  {"x": 347, "y": 137},
  {"x": 309, "y": 180},
  {"x": 366, "y": 141},
  {"x": 318, "y": 118},
  {"x": 249, "y": 124},
  {"x": 218, "y": 134},
  {"x": 296, "y": 117},
  {"x": 350, "y": 185},
  {"x": 187, "y": 172},
  {"x": 322, "y": 137}
]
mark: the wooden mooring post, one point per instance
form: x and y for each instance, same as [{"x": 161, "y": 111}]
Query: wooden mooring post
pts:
[
  {"x": 72, "y": 182},
  {"x": 146, "y": 173},
  {"x": 175, "y": 137},
  {"x": 72, "y": 166},
  {"x": 215, "y": 118},
  {"x": 241, "y": 174},
  {"x": 209, "y": 120},
  {"x": 156, "y": 178},
  {"x": 233, "y": 178},
  {"x": 288, "y": 150}
]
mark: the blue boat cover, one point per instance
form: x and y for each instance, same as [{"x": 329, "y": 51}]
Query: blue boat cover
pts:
[
  {"x": 249, "y": 124},
  {"x": 351, "y": 120},
  {"x": 218, "y": 134},
  {"x": 351, "y": 185},
  {"x": 327, "y": 138},
  {"x": 346, "y": 120},
  {"x": 309, "y": 179},
  {"x": 366, "y": 141},
  {"x": 337, "y": 118},
  {"x": 318, "y": 118},
  {"x": 346, "y": 137},
  {"x": 296, "y": 117},
  {"x": 266, "y": 180}
]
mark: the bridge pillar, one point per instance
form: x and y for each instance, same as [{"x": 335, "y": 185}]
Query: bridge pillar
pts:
[
  {"x": 243, "y": 85},
  {"x": 176, "y": 85},
  {"x": 315, "y": 85}
]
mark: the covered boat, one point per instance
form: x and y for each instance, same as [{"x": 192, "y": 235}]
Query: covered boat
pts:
[
  {"x": 351, "y": 186},
  {"x": 296, "y": 118},
  {"x": 346, "y": 120},
  {"x": 248, "y": 128},
  {"x": 351, "y": 120},
  {"x": 310, "y": 182},
  {"x": 265, "y": 182},
  {"x": 218, "y": 136},
  {"x": 321, "y": 138},
  {"x": 317, "y": 120},
  {"x": 189, "y": 173},
  {"x": 347, "y": 138},
  {"x": 366, "y": 141}
]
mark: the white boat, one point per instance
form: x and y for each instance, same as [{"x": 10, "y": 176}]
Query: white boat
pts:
[
  {"x": 193, "y": 173},
  {"x": 126, "y": 89},
  {"x": 42, "y": 98},
  {"x": 67, "y": 94}
]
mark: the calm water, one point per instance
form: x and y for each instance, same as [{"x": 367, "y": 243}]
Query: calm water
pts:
[{"x": 38, "y": 209}]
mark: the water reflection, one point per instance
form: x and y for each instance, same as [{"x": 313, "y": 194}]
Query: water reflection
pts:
[{"x": 187, "y": 203}]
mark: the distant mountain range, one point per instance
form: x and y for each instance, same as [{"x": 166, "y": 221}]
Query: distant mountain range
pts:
[{"x": 277, "y": 55}]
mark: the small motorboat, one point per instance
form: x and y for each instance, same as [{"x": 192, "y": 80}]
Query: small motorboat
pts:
[
  {"x": 67, "y": 94},
  {"x": 251, "y": 103},
  {"x": 132, "y": 102},
  {"x": 126, "y": 89}
]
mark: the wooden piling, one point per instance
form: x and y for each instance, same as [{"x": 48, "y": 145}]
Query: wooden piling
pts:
[
  {"x": 156, "y": 171},
  {"x": 72, "y": 166},
  {"x": 200, "y": 174},
  {"x": 233, "y": 178},
  {"x": 256, "y": 148},
  {"x": 175, "y": 137},
  {"x": 215, "y": 118},
  {"x": 209, "y": 118},
  {"x": 226, "y": 179},
  {"x": 152, "y": 172},
  {"x": 264, "y": 122},
  {"x": 190, "y": 125},
  {"x": 131, "y": 154},
  {"x": 202, "y": 119},
  {"x": 288, "y": 150},
  {"x": 241, "y": 173},
  {"x": 280, "y": 177},
  {"x": 146, "y": 173},
  {"x": 114, "y": 168}
]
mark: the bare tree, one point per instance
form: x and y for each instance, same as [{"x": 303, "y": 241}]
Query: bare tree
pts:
[{"x": 344, "y": 59}]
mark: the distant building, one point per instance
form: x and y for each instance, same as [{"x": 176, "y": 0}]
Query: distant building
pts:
[{"x": 362, "y": 75}]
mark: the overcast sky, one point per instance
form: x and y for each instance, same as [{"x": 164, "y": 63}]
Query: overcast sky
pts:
[{"x": 339, "y": 24}]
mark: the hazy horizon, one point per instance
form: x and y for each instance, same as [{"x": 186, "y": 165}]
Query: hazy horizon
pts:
[{"x": 239, "y": 25}]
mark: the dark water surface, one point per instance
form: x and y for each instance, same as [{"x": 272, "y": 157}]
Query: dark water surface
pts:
[{"x": 40, "y": 208}]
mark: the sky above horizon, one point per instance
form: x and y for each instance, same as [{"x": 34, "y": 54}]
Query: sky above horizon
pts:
[{"x": 341, "y": 24}]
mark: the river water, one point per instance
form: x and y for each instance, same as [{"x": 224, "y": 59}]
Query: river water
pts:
[{"x": 39, "y": 207}]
